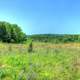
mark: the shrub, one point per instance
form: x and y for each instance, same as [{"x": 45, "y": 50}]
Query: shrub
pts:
[{"x": 30, "y": 45}]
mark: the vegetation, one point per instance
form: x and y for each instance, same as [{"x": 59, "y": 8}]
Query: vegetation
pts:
[
  {"x": 11, "y": 33},
  {"x": 30, "y": 45},
  {"x": 47, "y": 62},
  {"x": 55, "y": 38},
  {"x": 39, "y": 58}
]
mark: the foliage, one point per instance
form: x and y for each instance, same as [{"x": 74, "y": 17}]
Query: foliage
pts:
[
  {"x": 11, "y": 33},
  {"x": 55, "y": 38},
  {"x": 30, "y": 45}
]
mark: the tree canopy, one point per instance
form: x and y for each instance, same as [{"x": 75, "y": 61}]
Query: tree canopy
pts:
[{"x": 11, "y": 33}]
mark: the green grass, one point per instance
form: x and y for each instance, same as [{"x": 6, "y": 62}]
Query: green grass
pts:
[{"x": 59, "y": 63}]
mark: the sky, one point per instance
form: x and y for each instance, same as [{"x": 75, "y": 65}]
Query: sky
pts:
[{"x": 43, "y": 16}]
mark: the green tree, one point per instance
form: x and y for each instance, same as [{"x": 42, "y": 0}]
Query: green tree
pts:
[{"x": 11, "y": 33}]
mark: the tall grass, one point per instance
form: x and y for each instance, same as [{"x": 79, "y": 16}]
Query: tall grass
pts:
[{"x": 46, "y": 62}]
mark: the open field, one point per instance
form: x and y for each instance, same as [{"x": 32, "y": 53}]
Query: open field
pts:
[{"x": 46, "y": 62}]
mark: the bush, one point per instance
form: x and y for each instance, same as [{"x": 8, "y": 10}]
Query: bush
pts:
[{"x": 30, "y": 45}]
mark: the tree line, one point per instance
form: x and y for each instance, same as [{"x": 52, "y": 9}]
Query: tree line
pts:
[
  {"x": 55, "y": 38},
  {"x": 11, "y": 33}
]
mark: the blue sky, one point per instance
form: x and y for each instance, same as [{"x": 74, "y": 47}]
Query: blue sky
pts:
[{"x": 43, "y": 16}]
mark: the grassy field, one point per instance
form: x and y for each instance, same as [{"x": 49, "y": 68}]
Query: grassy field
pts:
[{"x": 46, "y": 62}]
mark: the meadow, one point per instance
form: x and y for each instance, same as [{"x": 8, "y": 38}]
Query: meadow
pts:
[{"x": 46, "y": 62}]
